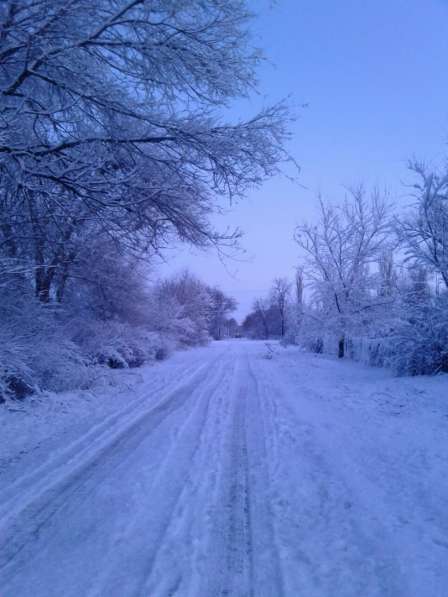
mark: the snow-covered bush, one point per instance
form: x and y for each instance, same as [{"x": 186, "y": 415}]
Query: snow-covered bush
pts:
[
  {"x": 181, "y": 309},
  {"x": 112, "y": 319},
  {"x": 35, "y": 352},
  {"x": 419, "y": 343},
  {"x": 120, "y": 345}
]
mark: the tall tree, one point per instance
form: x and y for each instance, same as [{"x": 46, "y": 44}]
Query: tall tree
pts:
[
  {"x": 221, "y": 306},
  {"x": 112, "y": 119},
  {"x": 261, "y": 312},
  {"x": 340, "y": 250},
  {"x": 425, "y": 230},
  {"x": 280, "y": 294}
]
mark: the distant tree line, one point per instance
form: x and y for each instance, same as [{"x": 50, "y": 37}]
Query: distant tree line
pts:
[{"x": 268, "y": 318}]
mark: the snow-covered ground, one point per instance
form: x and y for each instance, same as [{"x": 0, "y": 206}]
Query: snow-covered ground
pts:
[{"x": 224, "y": 473}]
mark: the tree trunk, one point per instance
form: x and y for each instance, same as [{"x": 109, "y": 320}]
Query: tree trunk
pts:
[
  {"x": 61, "y": 287},
  {"x": 42, "y": 286},
  {"x": 341, "y": 347}
]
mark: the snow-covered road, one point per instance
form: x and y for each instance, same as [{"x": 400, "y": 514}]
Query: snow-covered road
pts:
[{"x": 231, "y": 474}]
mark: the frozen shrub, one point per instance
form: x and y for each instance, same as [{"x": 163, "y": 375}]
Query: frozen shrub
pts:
[
  {"x": 419, "y": 345},
  {"x": 115, "y": 344},
  {"x": 182, "y": 309},
  {"x": 35, "y": 352}
]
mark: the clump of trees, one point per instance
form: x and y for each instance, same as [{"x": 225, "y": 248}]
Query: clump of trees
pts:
[
  {"x": 190, "y": 310},
  {"x": 372, "y": 284},
  {"x": 111, "y": 318},
  {"x": 221, "y": 306},
  {"x": 114, "y": 143},
  {"x": 269, "y": 317},
  {"x": 377, "y": 283}
]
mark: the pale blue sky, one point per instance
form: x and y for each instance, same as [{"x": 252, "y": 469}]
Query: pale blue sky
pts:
[{"x": 375, "y": 76}]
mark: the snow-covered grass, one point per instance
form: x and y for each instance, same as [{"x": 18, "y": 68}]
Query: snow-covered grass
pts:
[{"x": 363, "y": 461}]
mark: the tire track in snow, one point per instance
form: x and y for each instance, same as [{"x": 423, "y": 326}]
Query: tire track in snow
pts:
[
  {"x": 246, "y": 482},
  {"x": 196, "y": 470},
  {"x": 238, "y": 578},
  {"x": 183, "y": 552},
  {"x": 21, "y": 529},
  {"x": 242, "y": 558},
  {"x": 83, "y": 447},
  {"x": 270, "y": 577},
  {"x": 144, "y": 539}
]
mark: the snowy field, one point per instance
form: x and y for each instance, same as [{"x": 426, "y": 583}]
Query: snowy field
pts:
[{"x": 224, "y": 473}]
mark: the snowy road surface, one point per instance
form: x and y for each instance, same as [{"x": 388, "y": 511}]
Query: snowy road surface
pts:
[{"x": 229, "y": 474}]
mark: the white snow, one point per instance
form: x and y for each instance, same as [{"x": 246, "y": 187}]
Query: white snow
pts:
[{"x": 222, "y": 472}]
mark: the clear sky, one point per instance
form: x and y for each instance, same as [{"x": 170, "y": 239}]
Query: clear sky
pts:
[{"x": 374, "y": 74}]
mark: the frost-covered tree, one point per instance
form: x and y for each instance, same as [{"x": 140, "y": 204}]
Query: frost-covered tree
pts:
[
  {"x": 252, "y": 326},
  {"x": 269, "y": 317},
  {"x": 341, "y": 250},
  {"x": 45, "y": 239},
  {"x": 259, "y": 322},
  {"x": 108, "y": 286},
  {"x": 112, "y": 118},
  {"x": 231, "y": 328},
  {"x": 264, "y": 321},
  {"x": 114, "y": 142},
  {"x": 387, "y": 275},
  {"x": 416, "y": 341},
  {"x": 279, "y": 298},
  {"x": 221, "y": 306},
  {"x": 181, "y": 307},
  {"x": 424, "y": 232},
  {"x": 295, "y": 309}
]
